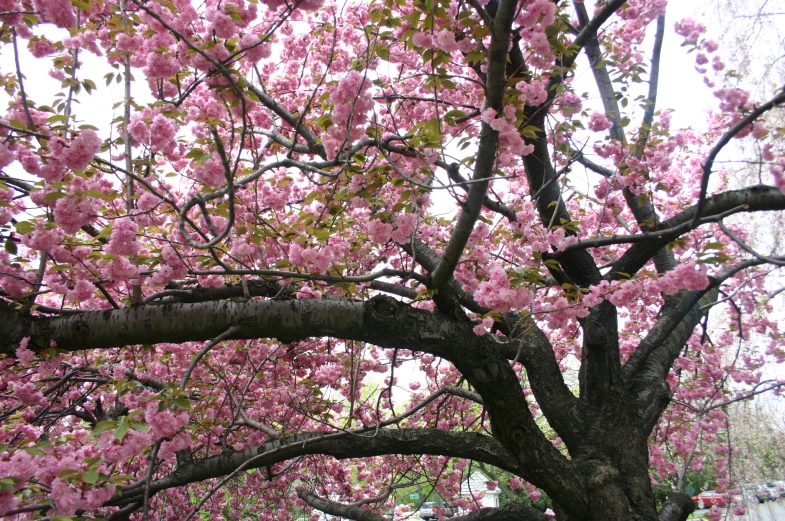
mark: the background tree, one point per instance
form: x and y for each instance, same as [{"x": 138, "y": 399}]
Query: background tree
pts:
[{"x": 209, "y": 304}]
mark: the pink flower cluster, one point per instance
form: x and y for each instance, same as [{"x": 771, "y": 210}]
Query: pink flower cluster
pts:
[
  {"x": 58, "y": 12},
  {"x": 318, "y": 260},
  {"x": 510, "y": 140},
  {"x": 351, "y": 104},
  {"x": 69, "y": 498},
  {"x": 164, "y": 423},
  {"x": 123, "y": 239},
  {"x": 532, "y": 92},
  {"x": 497, "y": 294},
  {"x": 599, "y": 122},
  {"x": 82, "y": 150},
  {"x": 690, "y": 30}
]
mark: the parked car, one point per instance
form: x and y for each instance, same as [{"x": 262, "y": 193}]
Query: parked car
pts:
[
  {"x": 431, "y": 509},
  {"x": 764, "y": 493},
  {"x": 776, "y": 489},
  {"x": 710, "y": 499}
]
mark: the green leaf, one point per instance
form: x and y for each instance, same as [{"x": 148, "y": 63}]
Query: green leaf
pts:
[
  {"x": 84, "y": 5},
  {"x": 103, "y": 427},
  {"x": 67, "y": 473},
  {"x": 183, "y": 403},
  {"x": 35, "y": 451},
  {"x": 54, "y": 196},
  {"x": 10, "y": 246},
  {"x": 530, "y": 131},
  {"x": 121, "y": 431},
  {"x": 454, "y": 114},
  {"x": 90, "y": 477}
]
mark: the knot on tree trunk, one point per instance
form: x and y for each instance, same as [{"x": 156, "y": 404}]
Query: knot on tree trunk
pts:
[
  {"x": 383, "y": 306},
  {"x": 677, "y": 507},
  {"x": 602, "y": 476},
  {"x": 594, "y": 334}
]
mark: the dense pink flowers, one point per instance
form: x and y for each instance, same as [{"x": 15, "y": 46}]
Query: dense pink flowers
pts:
[
  {"x": 162, "y": 131},
  {"x": 599, "y": 122},
  {"x": 28, "y": 394},
  {"x": 123, "y": 238},
  {"x": 82, "y": 150},
  {"x": 164, "y": 423},
  {"x": 58, "y": 12},
  {"x": 346, "y": 149}
]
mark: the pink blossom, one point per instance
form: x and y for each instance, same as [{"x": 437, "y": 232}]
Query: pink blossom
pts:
[
  {"x": 72, "y": 213},
  {"x": 119, "y": 269},
  {"x": 222, "y": 25},
  {"x": 8, "y": 501},
  {"x": 132, "y": 444},
  {"x": 28, "y": 393},
  {"x": 140, "y": 134},
  {"x": 690, "y": 30},
  {"x": 599, "y": 122},
  {"x": 83, "y": 291},
  {"x": 445, "y": 39},
  {"x": 421, "y": 39},
  {"x": 123, "y": 238},
  {"x": 40, "y": 47},
  {"x": 23, "y": 354},
  {"x": 164, "y": 423},
  {"x": 6, "y": 155},
  {"x": 82, "y": 150},
  {"x": 254, "y": 50},
  {"x": 379, "y": 231},
  {"x": 488, "y": 115},
  {"x": 58, "y": 12},
  {"x": 767, "y": 153},
  {"x": 161, "y": 65},
  {"x": 147, "y": 201},
  {"x": 162, "y": 132},
  {"x": 43, "y": 239},
  {"x": 211, "y": 172}
]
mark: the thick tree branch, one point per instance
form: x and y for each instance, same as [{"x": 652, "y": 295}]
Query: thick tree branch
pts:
[
  {"x": 642, "y": 208},
  {"x": 656, "y": 353},
  {"x": 337, "y": 509},
  {"x": 752, "y": 199},
  {"x": 455, "y": 175},
  {"x": 486, "y": 152},
  {"x": 677, "y": 507},
  {"x": 530, "y": 347},
  {"x": 314, "y": 146},
  {"x": 338, "y": 445},
  {"x": 651, "y": 99},
  {"x": 779, "y": 99}
]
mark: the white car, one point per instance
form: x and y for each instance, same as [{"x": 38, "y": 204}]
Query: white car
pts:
[{"x": 430, "y": 509}]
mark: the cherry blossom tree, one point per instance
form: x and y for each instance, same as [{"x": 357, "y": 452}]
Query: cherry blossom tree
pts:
[{"x": 316, "y": 253}]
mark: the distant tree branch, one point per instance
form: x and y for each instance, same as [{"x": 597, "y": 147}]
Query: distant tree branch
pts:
[
  {"x": 486, "y": 152},
  {"x": 751, "y": 199},
  {"x": 779, "y": 99},
  {"x": 340, "y": 445}
]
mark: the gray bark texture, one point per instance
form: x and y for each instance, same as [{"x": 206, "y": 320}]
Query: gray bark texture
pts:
[{"x": 603, "y": 476}]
